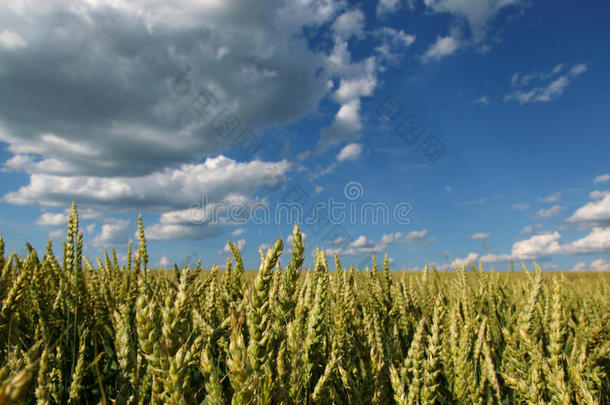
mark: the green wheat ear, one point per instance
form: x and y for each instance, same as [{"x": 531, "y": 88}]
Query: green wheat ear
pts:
[{"x": 142, "y": 252}]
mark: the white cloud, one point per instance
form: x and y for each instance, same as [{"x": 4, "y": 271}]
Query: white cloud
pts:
[
  {"x": 521, "y": 207},
  {"x": 596, "y": 241},
  {"x": 136, "y": 117},
  {"x": 323, "y": 171},
  {"x": 11, "y": 40},
  {"x": 51, "y": 219},
  {"x": 393, "y": 43},
  {"x": 215, "y": 178},
  {"x": 531, "y": 229},
  {"x": 61, "y": 219},
  {"x": 557, "y": 69},
  {"x": 164, "y": 262},
  {"x": 114, "y": 233},
  {"x": 200, "y": 221},
  {"x": 241, "y": 244},
  {"x": 578, "y": 69},
  {"x": 470, "y": 258},
  {"x": 350, "y": 151},
  {"x": 347, "y": 123},
  {"x": 398, "y": 37},
  {"x": 482, "y": 100},
  {"x": 594, "y": 211},
  {"x": 350, "y": 23},
  {"x": 387, "y": 6},
  {"x": 548, "y": 88},
  {"x": 597, "y": 194},
  {"x": 596, "y": 265},
  {"x": 356, "y": 80},
  {"x": 318, "y": 189},
  {"x": 442, "y": 47},
  {"x": 602, "y": 178},
  {"x": 222, "y": 51},
  {"x": 57, "y": 234},
  {"x": 239, "y": 231},
  {"x": 364, "y": 246},
  {"x": 346, "y": 126},
  {"x": 353, "y": 89},
  {"x": 361, "y": 242},
  {"x": 480, "y": 235},
  {"x": 536, "y": 246},
  {"x": 124, "y": 136},
  {"x": 550, "y": 212},
  {"x": 479, "y": 13},
  {"x": 549, "y": 244},
  {"x": 555, "y": 197},
  {"x": 290, "y": 238}
]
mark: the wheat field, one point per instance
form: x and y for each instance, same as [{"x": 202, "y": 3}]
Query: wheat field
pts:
[{"x": 78, "y": 332}]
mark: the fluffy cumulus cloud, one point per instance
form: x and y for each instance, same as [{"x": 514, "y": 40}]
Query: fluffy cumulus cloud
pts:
[
  {"x": 103, "y": 94},
  {"x": 543, "y": 87},
  {"x": 365, "y": 246},
  {"x": 349, "y": 23},
  {"x": 393, "y": 43},
  {"x": 114, "y": 233},
  {"x": 387, "y": 6},
  {"x": 10, "y": 40},
  {"x": 479, "y": 13},
  {"x": 290, "y": 240},
  {"x": 204, "y": 219},
  {"x": 359, "y": 81},
  {"x": 351, "y": 80},
  {"x": 471, "y": 258},
  {"x": 113, "y": 88},
  {"x": 178, "y": 188},
  {"x": 241, "y": 244},
  {"x": 552, "y": 198},
  {"x": 595, "y": 265},
  {"x": 52, "y": 219},
  {"x": 164, "y": 262},
  {"x": 443, "y": 46},
  {"x": 549, "y": 244},
  {"x": 194, "y": 200},
  {"x": 115, "y": 104},
  {"x": 602, "y": 178},
  {"x": 482, "y": 100},
  {"x": 598, "y": 240},
  {"x": 239, "y": 231},
  {"x": 350, "y": 151},
  {"x": 550, "y": 212},
  {"x": 541, "y": 244},
  {"x": 597, "y": 210},
  {"x": 532, "y": 229}
]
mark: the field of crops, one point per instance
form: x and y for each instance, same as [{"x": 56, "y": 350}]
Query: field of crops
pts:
[{"x": 78, "y": 332}]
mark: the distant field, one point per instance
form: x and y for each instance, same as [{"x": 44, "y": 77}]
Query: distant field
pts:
[{"x": 586, "y": 276}]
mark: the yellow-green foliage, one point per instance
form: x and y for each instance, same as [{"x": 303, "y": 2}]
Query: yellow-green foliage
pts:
[{"x": 73, "y": 332}]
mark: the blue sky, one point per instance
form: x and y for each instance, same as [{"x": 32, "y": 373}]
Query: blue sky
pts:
[{"x": 485, "y": 122}]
